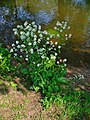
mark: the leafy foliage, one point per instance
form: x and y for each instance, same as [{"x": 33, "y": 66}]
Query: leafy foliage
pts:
[{"x": 4, "y": 60}]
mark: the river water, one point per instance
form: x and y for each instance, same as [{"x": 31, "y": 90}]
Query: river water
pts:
[{"x": 46, "y": 13}]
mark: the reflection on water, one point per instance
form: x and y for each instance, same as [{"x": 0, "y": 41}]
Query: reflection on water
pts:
[
  {"x": 77, "y": 17},
  {"x": 76, "y": 12}
]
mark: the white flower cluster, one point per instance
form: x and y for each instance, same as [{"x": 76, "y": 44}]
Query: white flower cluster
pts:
[
  {"x": 35, "y": 43},
  {"x": 62, "y": 28}
]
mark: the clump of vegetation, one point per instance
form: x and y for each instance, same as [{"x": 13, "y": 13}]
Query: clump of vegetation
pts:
[
  {"x": 39, "y": 55},
  {"x": 4, "y": 60},
  {"x": 44, "y": 65}
]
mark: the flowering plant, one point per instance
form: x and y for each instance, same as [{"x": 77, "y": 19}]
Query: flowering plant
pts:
[
  {"x": 32, "y": 40},
  {"x": 42, "y": 55}
]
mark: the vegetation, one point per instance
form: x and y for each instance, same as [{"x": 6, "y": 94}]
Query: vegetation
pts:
[{"x": 37, "y": 56}]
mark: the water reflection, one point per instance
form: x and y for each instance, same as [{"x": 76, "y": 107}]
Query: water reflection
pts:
[
  {"x": 78, "y": 19},
  {"x": 82, "y": 2},
  {"x": 75, "y": 12},
  {"x": 41, "y": 11}
]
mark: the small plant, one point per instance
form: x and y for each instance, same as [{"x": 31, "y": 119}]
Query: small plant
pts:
[{"x": 4, "y": 60}]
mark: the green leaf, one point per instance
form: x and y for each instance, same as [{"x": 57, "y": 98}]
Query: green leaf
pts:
[
  {"x": 51, "y": 31},
  {"x": 62, "y": 80},
  {"x": 13, "y": 84},
  {"x": 36, "y": 88},
  {"x": 24, "y": 71}
]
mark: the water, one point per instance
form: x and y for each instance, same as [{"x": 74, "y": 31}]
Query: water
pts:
[{"x": 47, "y": 12}]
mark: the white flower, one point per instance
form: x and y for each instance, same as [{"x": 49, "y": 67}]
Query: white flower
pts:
[
  {"x": 27, "y": 34},
  {"x": 27, "y": 56},
  {"x": 27, "y": 28},
  {"x": 41, "y": 35},
  {"x": 60, "y": 60},
  {"x": 22, "y": 32},
  {"x": 28, "y": 39},
  {"x": 64, "y": 27},
  {"x": 66, "y": 35},
  {"x": 64, "y": 60},
  {"x": 18, "y": 46},
  {"x": 32, "y": 34},
  {"x": 48, "y": 38},
  {"x": 56, "y": 43},
  {"x": 11, "y": 50},
  {"x": 34, "y": 63},
  {"x": 65, "y": 65},
  {"x": 70, "y": 35},
  {"x": 47, "y": 42},
  {"x": 55, "y": 28},
  {"x": 20, "y": 56},
  {"x": 39, "y": 40},
  {"x": 13, "y": 45},
  {"x": 33, "y": 30},
  {"x": 15, "y": 49},
  {"x": 17, "y": 42},
  {"x": 66, "y": 38},
  {"x": 26, "y": 59},
  {"x": 31, "y": 50},
  {"x": 55, "y": 54},
  {"x": 53, "y": 57},
  {"x": 21, "y": 50},
  {"x": 54, "y": 48},
  {"x": 23, "y": 45},
  {"x": 33, "y": 23},
  {"x": 38, "y": 64},
  {"x": 45, "y": 32},
  {"x": 61, "y": 30},
  {"x": 58, "y": 35},
  {"x": 15, "y": 54},
  {"x": 15, "y": 33},
  {"x": 26, "y": 23},
  {"x": 57, "y": 23},
  {"x": 22, "y": 37},
  {"x": 51, "y": 36},
  {"x": 49, "y": 49},
  {"x": 57, "y": 62},
  {"x": 39, "y": 27},
  {"x": 21, "y": 27},
  {"x": 34, "y": 39},
  {"x": 29, "y": 43},
  {"x": 68, "y": 27},
  {"x": 59, "y": 47},
  {"x": 42, "y": 56},
  {"x": 35, "y": 36},
  {"x": 14, "y": 29},
  {"x": 51, "y": 42},
  {"x": 34, "y": 43},
  {"x": 39, "y": 31},
  {"x": 18, "y": 26},
  {"x": 35, "y": 26}
]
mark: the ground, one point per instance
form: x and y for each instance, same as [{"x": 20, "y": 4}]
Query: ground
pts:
[{"x": 21, "y": 104}]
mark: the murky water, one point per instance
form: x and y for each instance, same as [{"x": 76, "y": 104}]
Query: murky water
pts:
[{"x": 47, "y": 12}]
